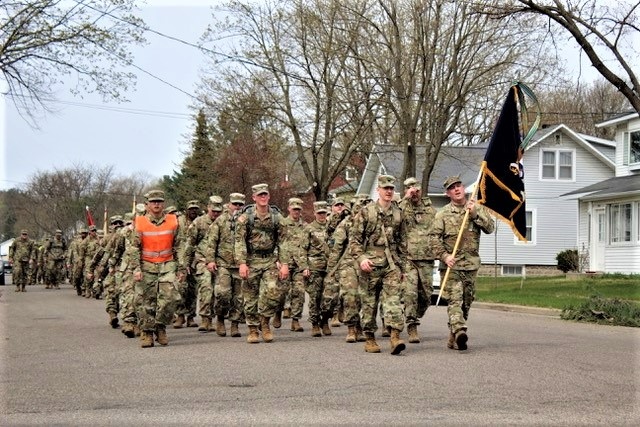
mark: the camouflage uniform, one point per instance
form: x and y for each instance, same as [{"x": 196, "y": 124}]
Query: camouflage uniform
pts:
[
  {"x": 122, "y": 261},
  {"x": 196, "y": 259},
  {"x": 313, "y": 261},
  {"x": 294, "y": 286},
  {"x": 188, "y": 290},
  {"x": 75, "y": 264},
  {"x": 54, "y": 253},
  {"x": 155, "y": 294},
  {"x": 260, "y": 243},
  {"x": 106, "y": 268},
  {"x": 227, "y": 283},
  {"x": 379, "y": 237},
  {"x": 418, "y": 277},
  {"x": 459, "y": 290},
  {"x": 22, "y": 253}
]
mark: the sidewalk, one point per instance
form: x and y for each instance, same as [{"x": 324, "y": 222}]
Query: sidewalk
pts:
[{"x": 550, "y": 312}]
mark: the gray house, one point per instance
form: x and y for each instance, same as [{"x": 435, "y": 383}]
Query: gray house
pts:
[
  {"x": 609, "y": 210},
  {"x": 558, "y": 161}
]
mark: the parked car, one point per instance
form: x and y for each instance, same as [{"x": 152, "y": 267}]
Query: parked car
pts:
[
  {"x": 436, "y": 285},
  {"x": 3, "y": 268}
]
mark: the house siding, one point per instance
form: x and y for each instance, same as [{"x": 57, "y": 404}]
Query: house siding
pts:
[{"x": 623, "y": 169}]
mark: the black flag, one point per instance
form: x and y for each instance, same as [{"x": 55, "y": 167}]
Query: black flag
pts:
[{"x": 501, "y": 186}]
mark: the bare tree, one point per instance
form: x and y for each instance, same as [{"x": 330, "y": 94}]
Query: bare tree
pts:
[
  {"x": 607, "y": 32},
  {"x": 44, "y": 41}
]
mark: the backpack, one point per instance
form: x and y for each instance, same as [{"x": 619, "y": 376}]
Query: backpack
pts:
[
  {"x": 372, "y": 218},
  {"x": 250, "y": 211}
]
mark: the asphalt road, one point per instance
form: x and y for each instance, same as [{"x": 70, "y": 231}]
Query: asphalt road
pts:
[{"x": 63, "y": 365}]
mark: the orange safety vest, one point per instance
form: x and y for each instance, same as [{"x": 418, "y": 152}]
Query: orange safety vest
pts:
[{"x": 157, "y": 240}]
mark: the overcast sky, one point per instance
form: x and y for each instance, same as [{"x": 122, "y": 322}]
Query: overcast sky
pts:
[{"x": 145, "y": 135}]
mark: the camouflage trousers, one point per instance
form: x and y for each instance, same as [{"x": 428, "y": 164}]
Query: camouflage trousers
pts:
[
  {"x": 460, "y": 291},
  {"x": 77, "y": 279},
  {"x": 384, "y": 284},
  {"x": 227, "y": 289},
  {"x": 126, "y": 285},
  {"x": 188, "y": 296},
  {"x": 294, "y": 288},
  {"x": 262, "y": 291},
  {"x": 418, "y": 287},
  {"x": 54, "y": 273},
  {"x": 330, "y": 294},
  {"x": 111, "y": 293},
  {"x": 21, "y": 274},
  {"x": 315, "y": 288},
  {"x": 157, "y": 296},
  {"x": 347, "y": 277},
  {"x": 205, "y": 293}
]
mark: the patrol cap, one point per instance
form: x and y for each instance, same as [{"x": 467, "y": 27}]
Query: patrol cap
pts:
[
  {"x": 411, "y": 182},
  {"x": 84, "y": 230},
  {"x": 92, "y": 228},
  {"x": 101, "y": 232},
  {"x": 140, "y": 209},
  {"x": 451, "y": 180},
  {"x": 295, "y": 203},
  {"x": 337, "y": 201},
  {"x": 128, "y": 217},
  {"x": 58, "y": 231},
  {"x": 320, "y": 207},
  {"x": 260, "y": 189},
  {"x": 193, "y": 204},
  {"x": 155, "y": 196},
  {"x": 236, "y": 198},
  {"x": 215, "y": 203},
  {"x": 24, "y": 231},
  {"x": 116, "y": 218},
  {"x": 386, "y": 181},
  {"x": 171, "y": 209}
]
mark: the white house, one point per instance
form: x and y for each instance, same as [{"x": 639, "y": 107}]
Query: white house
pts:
[
  {"x": 557, "y": 161},
  {"x": 609, "y": 210}
]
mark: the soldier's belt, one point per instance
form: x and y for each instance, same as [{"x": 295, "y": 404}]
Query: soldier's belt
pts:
[{"x": 262, "y": 254}]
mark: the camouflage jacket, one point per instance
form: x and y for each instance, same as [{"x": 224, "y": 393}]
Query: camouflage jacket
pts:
[
  {"x": 22, "y": 250},
  {"x": 419, "y": 217},
  {"x": 262, "y": 238},
  {"x": 55, "y": 249},
  {"x": 373, "y": 229},
  {"x": 195, "y": 244},
  {"x": 72, "y": 253},
  {"x": 444, "y": 233},
  {"x": 221, "y": 241},
  {"x": 314, "y": 249},
  {"x": 88, "y": 249},
  {"x": 122, "y": 254},
  {"x": 295, "y": 230},
  {"x": 339, "y": 244}
]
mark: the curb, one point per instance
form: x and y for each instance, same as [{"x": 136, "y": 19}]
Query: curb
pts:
[{"x": 540, "y": 311}]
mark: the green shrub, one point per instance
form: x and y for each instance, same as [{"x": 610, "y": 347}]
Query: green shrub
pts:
[
  {"x": 568, "y": 260},
  {"x": 604, "y": 311}
]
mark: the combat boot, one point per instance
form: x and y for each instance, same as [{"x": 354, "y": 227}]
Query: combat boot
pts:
[
  {"x": 235, "y": 331},
  {"x": 128, "y": 330},
  {"x": 253, "y": 337},
  {"x": 179, "y": 322},
  {"x": 277, "y": 320},
  {"x": 146, "y": 339},
  {"x": 359, "y": 334},
  {"x": 335, "y": 321},
  {"x": 351, "y": 334},
  {"x": 161, "y": 335},
  {"x": 113, "y": 319},
  {"x": 325, "y": 328},
  {"x": 286, "y": 313},
  {"x": 386, "y": 330},
  {"x": 370, "y": 345},
  {"x": 267, "y": 335},
  {"x": 295, "y": 326},
  {"x": 315, "y": 331},
  {"x": 397, "y": 345},
  {"x": 220, "y": 328},
  {"x": 191, "y": 323},
  {"x": 412, "y": 331},
  {"x": 205, "y": 325},
  {"x": 451, "y": 343},
  {"x": 461, "y": 339}
]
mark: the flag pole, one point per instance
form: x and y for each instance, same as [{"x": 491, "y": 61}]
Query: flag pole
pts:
[
  {"x": 104, "y": 220},
  {"x": 462, "y": 226}
]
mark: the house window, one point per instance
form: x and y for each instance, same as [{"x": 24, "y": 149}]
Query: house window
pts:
[
  {"x": 350, "y": 173},
  {"x": 530, "y": 235},
  {"x": 557, "y": 165},
  {"x": 634, "y": 147},
  {"x": 512, "y": 270},
  {"x": 619, "y": 223}
]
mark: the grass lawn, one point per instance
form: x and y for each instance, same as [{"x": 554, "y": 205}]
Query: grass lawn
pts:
[{"x": 557, "y": 291}]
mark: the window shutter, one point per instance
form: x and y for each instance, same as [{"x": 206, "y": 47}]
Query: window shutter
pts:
[{"x": 626, "y": 141}]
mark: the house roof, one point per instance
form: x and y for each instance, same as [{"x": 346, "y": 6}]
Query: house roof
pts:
[
  {"x": 619, "y": 118},
  {"x": 612, "y": 187}
]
